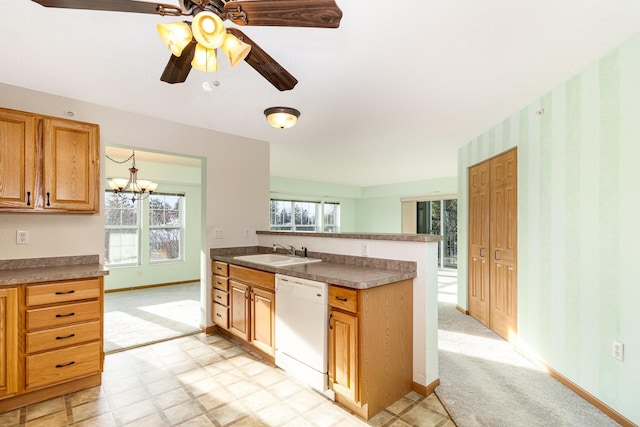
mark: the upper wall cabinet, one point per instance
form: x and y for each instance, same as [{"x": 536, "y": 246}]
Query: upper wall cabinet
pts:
[{"x": 48, "y": 164}]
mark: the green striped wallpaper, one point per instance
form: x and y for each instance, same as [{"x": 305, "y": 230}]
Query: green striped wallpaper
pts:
[{"x": 578, "y": 225}]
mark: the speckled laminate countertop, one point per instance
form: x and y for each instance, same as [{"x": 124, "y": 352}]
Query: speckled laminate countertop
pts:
[
  {"x": 352, "y": 272},
  {"x": 36, "y": 270}
]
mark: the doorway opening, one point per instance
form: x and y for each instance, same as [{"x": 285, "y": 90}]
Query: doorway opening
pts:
[{"x": 440, "y": 217}]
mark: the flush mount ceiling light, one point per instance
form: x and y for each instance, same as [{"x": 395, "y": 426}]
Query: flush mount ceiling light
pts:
[
  {"x": 282, "y": 117},
  {"x": 132, "y": 189}
]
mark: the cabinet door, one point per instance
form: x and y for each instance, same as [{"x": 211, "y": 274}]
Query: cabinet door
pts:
[
  {"x": 17, "y": 160},
  {"x": 239, "y": 309},
  {"x": 8, "y": 342},
  {"x": 71, "y": 170},
  {"x": 263, "y": 320},
  {"x": 343, "y": 354}
]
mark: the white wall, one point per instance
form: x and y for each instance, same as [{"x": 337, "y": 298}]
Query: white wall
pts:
[{"x": 235, "y": 183}]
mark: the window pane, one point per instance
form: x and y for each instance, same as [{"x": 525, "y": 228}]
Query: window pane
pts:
[
  {"x": 305, "y": 214},
  {"x": 164, "y": 244},
  {"x": 280, "y": 213},
  {"x": 121, "y": 246},
  {"x": 331, "y": 217},
  {"x": 122, "y": 236},
  {"x": 165, "y": 227}
]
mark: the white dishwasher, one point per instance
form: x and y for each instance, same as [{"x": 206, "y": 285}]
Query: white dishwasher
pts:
[{"x": 301, "y": 330}]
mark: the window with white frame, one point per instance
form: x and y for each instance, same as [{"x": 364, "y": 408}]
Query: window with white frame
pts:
[
  {"x": 296, "y": 215},
  {"x": 122, "y": 231},
  {"x": 166, "y": 227}
]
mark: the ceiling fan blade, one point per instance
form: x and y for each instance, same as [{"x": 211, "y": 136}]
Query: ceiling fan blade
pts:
[
  {"x": 178, "y": 67},
  {"x": 265, "y": 64},
  {"x": 115, "y": 6},
  {"x": 285, "y": 13}
]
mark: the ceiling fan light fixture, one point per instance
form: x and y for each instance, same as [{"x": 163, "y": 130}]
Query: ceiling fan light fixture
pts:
[
  {"x": 282, "y": 117},
  {"x": 208, "y": 29},
  {"x": 235, "y": 49},
  {"x": 205, "y": 59},
  {"x": 175, "y": 35}
]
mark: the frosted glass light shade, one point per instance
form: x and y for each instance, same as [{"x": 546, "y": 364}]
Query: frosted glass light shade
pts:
[
  {"x": 175, "y": 35},
  {"x": 205, "y": 59},
  {"x": 235, "y": 49},
  {"x": 282, "y": 117},
  {"x": 208, "y": 29}
]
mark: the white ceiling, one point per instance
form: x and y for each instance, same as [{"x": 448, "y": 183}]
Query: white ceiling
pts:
[{"x": 388, "y": 97}]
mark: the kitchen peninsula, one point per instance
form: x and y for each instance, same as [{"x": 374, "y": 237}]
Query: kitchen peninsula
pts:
[{"x": 356, "y": 267}]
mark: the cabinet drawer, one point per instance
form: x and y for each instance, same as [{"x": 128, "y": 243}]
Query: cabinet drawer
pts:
[
  {"x": 49, "y": 339},
  {"x": 221, "y": 297},
  {"x": 60, "y": 315},
  {"x": 343, "y": 298},
  {"x": 221, "y": 283},
  {"x": 221, "y": 315},
  {"x": 63, "y": 365},
  {"x": 220, "y": 268},
  {"x": 255, "y": 277},
  {"x": 54, "y": 293}
]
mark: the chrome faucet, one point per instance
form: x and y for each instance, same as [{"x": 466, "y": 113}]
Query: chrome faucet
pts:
[{"x": 290, "y": 248}]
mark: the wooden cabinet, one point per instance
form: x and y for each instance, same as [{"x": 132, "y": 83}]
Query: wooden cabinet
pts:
[
  {"x": 244, "y": 304},
  {"x": 220, "y": 294},
  {"x": 63, "y": 331},
  {"x": 52, "y": 164},
  {"x": 58, "y": 340},
  {"x": 8, "y": 342},
  {"x": 493, "y": 220},
  {"x": 370, "y": 346}
]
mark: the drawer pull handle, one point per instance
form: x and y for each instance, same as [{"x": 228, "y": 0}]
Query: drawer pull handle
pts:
[
  {"x": 28, "y": 198},
  {"x": 48, "y": 197},
  {"x": 66, "y": 315},
  {"x": 218, "y": 314},
  {"x": 64, "y": 338},
  {"x": 218, "y": 296},
  {"x": 343, "y": 299},
  {"x": 330, "y": 317},
  {"x": 66, "y": 364},
  {"x": 66, "y": 292}
]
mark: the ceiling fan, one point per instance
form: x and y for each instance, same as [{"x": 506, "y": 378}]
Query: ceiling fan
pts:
[{"x": 284, "y": 13}]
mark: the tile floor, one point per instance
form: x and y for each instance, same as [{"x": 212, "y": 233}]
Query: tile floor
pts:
[{"x": 208, "y": 380}]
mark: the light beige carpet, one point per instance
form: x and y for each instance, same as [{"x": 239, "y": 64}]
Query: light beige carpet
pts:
[
  {"x": 138, "y": 317},
  {"x": 485, "y": 382}
]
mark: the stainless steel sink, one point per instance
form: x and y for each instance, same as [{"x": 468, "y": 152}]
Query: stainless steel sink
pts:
[{"x": 276, "y": 260}]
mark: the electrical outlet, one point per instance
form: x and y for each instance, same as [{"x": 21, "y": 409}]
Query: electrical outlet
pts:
[
  {"x": 217, "y": 233},
  {"x": 22, "y": 237},
  {"x": 365, "y": 250},
  {"x": 618, "y": 351},
  {"x": 246, "y": 232}
]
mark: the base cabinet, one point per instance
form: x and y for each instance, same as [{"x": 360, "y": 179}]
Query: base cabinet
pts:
[
  {"x": 60, "y": 340},
  {"x": 244, "y": 304},
  {"x": 370, "y": 346},
  {"x": 8, "y": 342}
]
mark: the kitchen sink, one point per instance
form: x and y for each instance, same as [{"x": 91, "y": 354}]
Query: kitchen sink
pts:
[{"x": 276, "y": 260}]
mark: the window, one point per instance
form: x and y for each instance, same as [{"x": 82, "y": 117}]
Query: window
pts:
[
  {"x": 165, "y": 227},
  {"x": 122, "y": 231},
  {"x": 295, "y": 215}
]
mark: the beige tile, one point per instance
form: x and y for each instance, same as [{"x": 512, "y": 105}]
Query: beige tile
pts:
[
  {"x": 206, "y": 385},
  {"x": 228, "y": 413},
  {"x": 171, "y": 398},
  {"x": 242, "y": 388},
  {"x": 325, "y": 415},
  {"x": 399, "y": 423},
  {"x": 162, "y": 386},
  {"x": 10, "y": 419},
  {"x": 57, "y": 419},
  {"x": 201, "y": 421},
  {"x": 249, "y": 421},
  {"x": 215, "y": 399},
  {"x": 269, "y": 377},
  {"x": 381, "y": 419},
  {"x": 104, "y": 420},
  {"x": 135, "y": 412},
  {"x": 193, "y": 375},
  {"x": 84, "y": 396},
  {"x": 183, "y": 412},
  {"x": 128, "y": 397},
  {"x": 278, "y": 414},
  {"x": 305, "y": 400},
  {"x": 419, "y": 416},
  {"x": 400, "y": 405},
  {"x": 90, "y": 409},
  {"x": 433, "y": 404},
  {"x": 258, "y": 400},
  {"x": 153, "y": 420},
  {"x": 286, "y": 388},
  {"x": 47, "y": 407}
]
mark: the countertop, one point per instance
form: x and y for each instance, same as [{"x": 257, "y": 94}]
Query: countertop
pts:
[
  {"x": 356, "y": 272},
  {"x": 36, "y": 270}
]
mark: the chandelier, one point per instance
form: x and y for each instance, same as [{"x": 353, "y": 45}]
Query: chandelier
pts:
[{"x": 133, "y": 188}]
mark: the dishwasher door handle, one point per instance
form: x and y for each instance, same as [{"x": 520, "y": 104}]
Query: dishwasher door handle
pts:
[{"x": 330, "y": 317}]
